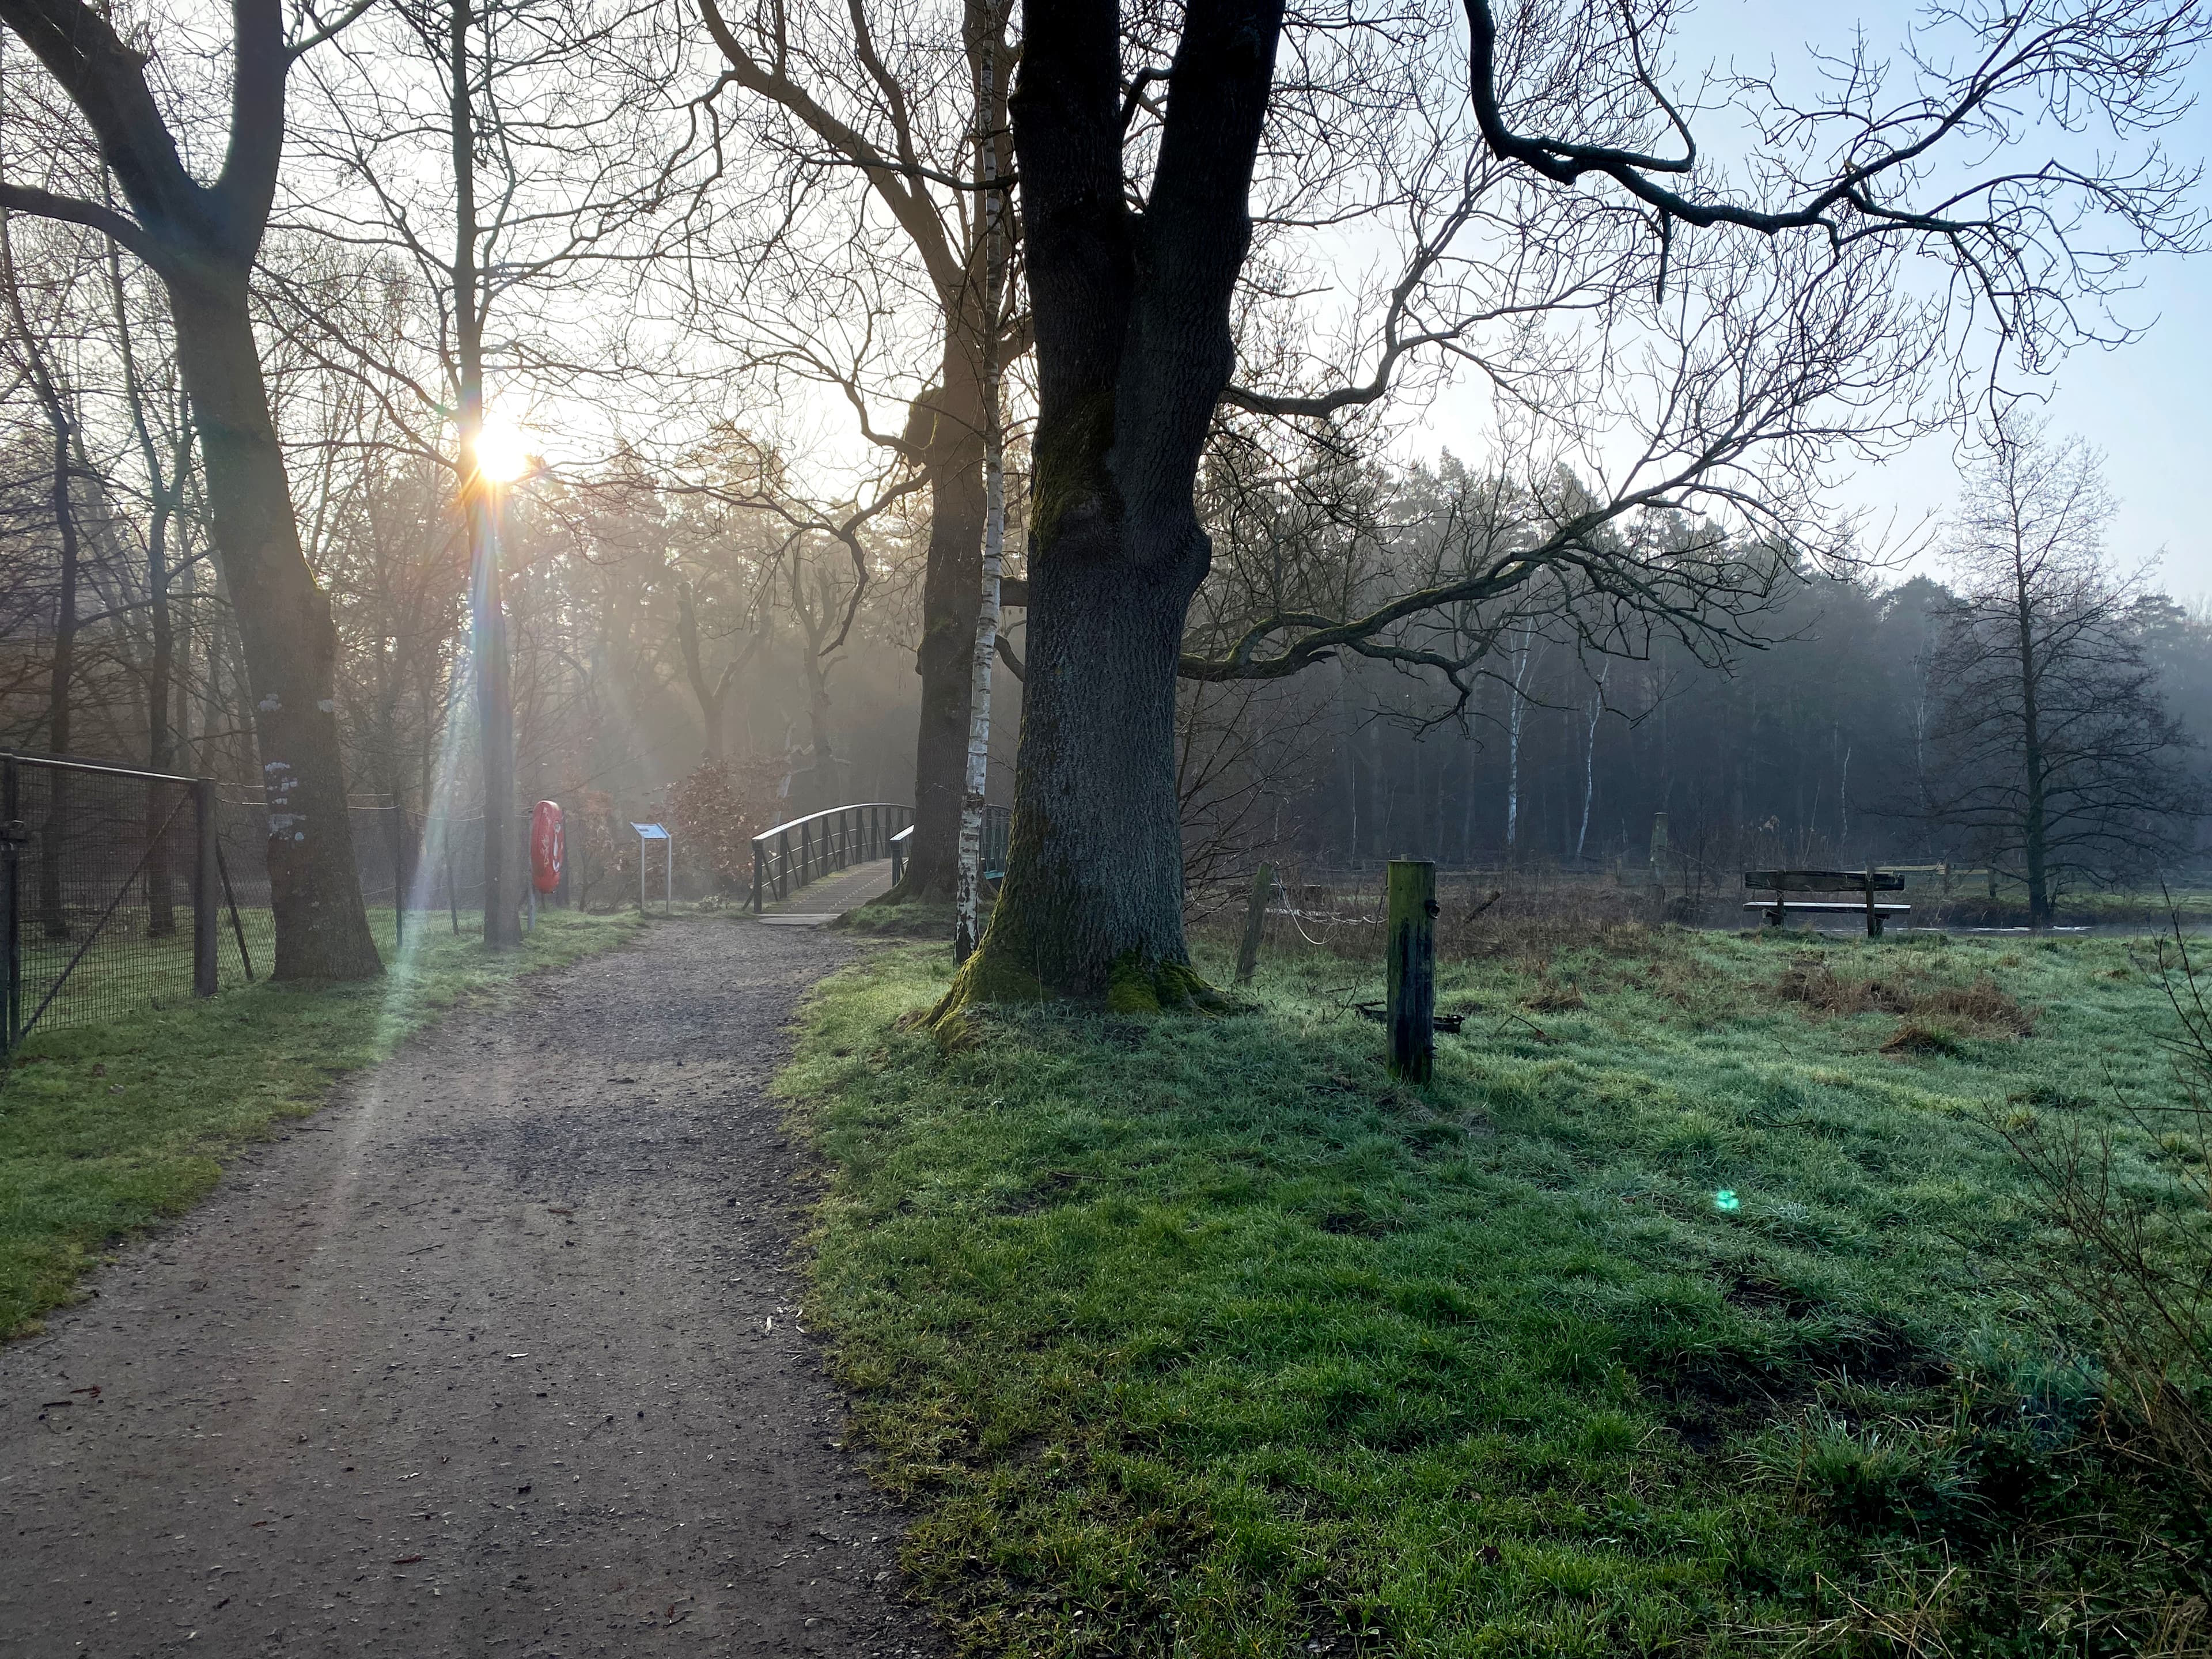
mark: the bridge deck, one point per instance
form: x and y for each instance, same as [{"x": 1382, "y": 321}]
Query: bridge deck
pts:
[{"x": 820, "y": 903}]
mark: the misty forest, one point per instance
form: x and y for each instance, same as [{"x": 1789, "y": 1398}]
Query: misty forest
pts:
[{"x": 943, "y": 827}]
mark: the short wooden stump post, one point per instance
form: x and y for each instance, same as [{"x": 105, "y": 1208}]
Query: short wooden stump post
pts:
[
  {"x": 1256, "y": 922},
  {"x": 1411, "y": 1015}
]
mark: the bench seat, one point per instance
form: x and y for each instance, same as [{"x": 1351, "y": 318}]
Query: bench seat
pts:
[
  {"x": 1778, "y": 912},
  {"x": 1852, "y": 907}
]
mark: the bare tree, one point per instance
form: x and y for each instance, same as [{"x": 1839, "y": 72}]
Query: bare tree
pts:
[
  {"x": 57, "y": 403},
  {"x": 202, "y": 240},
  {"x": 2057, "y": 753},
  {"x": 542, "y": 113}
]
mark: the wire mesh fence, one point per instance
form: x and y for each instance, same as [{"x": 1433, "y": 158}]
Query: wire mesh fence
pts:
[
  {"x": 105, "y": 908},
  {"x": 385, "y": 842},
  {"x": 122, "y": 890}
]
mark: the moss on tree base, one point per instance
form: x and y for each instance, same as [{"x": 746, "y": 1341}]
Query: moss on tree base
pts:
[
  {"x": 1135, "y": 986},
  {"x": 1132, "y": 987}
]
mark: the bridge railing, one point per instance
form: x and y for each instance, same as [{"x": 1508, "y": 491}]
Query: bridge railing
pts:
[
  {"x": 997, "y": 831},
  {"x": 787, "y": 857}
]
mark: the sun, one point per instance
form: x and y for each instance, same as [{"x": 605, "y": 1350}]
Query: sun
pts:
[{"x": 503, "y": 451}]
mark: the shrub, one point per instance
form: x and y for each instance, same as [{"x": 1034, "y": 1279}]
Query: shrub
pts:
[
  {"x": 2137, "y": 1265},
  {"x": 720, "y": 807}
]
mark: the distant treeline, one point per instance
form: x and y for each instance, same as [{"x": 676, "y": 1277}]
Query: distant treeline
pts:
[{"x": 1819, "y": 747}]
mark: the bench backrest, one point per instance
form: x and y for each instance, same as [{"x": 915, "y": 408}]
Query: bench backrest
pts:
[{"x": 1820, "y": 881}]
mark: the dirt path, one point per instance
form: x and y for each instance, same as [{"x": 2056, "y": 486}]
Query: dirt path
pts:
[{"x": 498, "y": 1354}]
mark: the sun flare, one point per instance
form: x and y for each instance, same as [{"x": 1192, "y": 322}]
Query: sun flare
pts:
[{"x": 503, "y": 451}]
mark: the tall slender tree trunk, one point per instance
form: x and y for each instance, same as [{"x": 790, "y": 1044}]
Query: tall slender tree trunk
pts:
[
  {"x": 712, "y": 692},
  {"x": 61, "y": 668},
  {"x": 480, "y": 505},
  {"x": 2034, "y": 821},
  {"x": 1590, "y": 756},
  {"x": 61, "y": 676},
  {"x": 945, "y": 656},
  {"x": 161, "y": 734},
  {"x": 290, "y": 640},
  {"x": 166, "y": 488},
  {"x": 967, "y": 929},
  {"x": 828, "y": 778}
]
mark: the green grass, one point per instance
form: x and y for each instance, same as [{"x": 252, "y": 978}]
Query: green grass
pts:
[
  {"x": 1684, "y": 1319},
  {"x": 105, "y": 1129},
  {"x": 906, "y": 918}
]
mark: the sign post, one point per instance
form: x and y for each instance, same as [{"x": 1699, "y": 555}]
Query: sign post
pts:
[{"x": 646, "y": 834}]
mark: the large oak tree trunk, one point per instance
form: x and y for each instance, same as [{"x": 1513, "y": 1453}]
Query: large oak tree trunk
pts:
[
  {"x": 1094, "y": 873},
  {"x": 290, "y": 640},
  {"x": 1133, "y": 350}
]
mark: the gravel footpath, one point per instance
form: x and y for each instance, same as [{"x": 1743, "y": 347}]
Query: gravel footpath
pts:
[{"x": 499, "y": 1353}]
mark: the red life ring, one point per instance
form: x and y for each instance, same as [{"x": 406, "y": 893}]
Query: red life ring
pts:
[{"x": 547, "y": 844}]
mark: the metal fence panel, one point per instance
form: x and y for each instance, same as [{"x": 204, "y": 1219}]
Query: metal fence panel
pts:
[{"x": 101, "y": 892}]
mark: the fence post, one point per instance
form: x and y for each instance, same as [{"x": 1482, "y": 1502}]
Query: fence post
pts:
[
  {"x": 207, "y": 890},
  {"x": 1255, "y": 918},
  {"x": 395, "y": 833},
  {"x": 1412, "y": 967},
  {"x": 12, "y": 835}
]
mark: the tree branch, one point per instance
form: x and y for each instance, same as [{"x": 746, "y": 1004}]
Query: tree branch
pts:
[{"x": 44, "y": 205}]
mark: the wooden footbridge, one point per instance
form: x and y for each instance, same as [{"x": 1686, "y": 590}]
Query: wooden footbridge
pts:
[{"x": 791, "y": 857}]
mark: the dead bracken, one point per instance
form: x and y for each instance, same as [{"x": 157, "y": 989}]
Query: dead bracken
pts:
[{"x": 1979, "y": 1009}]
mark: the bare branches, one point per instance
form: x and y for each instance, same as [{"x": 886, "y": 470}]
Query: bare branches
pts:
[{"x": 1863, "y": 167}]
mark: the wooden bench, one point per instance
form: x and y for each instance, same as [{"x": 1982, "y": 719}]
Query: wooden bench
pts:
[{"x": 1865, "y": 882}]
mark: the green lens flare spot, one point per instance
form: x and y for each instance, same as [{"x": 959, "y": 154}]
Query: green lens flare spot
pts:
[{"x": 1726, "y": 1199}]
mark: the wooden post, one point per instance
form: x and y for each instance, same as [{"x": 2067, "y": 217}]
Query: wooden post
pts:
[
  {"x": 1255, "y": 918},
  {"x": 1412, "y": 1012}
]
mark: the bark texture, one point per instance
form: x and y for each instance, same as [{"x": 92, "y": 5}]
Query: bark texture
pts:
[{"x": 1134, "y": 349}]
